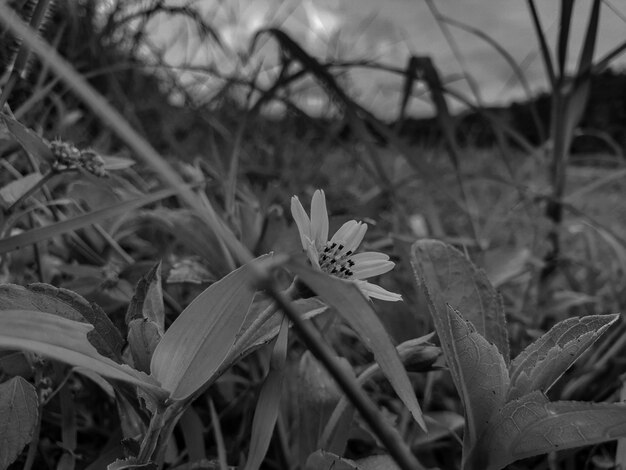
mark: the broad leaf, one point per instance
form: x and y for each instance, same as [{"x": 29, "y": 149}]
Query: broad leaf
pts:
[
  {"x": 463, "y": 286},
  {"x": 347, "y": 299},
  {"x": 197, "y": 343},
  {"x": 477, "y": 367},
  {"x": 19, "y": 411},
  {"x": 67, "y": 304},
  {"x": 66, "y": 341},
  {"x": 541, "y": 364},
  {"x": 532, "y": 425}
]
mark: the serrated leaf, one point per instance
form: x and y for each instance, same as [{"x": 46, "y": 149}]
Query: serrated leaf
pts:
[
  {"x": 532, "y": 426},
  {"x": 347, "y": 299},
  {"x": 29, "y": 140},
  {"x": 463, "y": 286},
  {"x": 147, "y": 301},
  {"x": 197, "y": 343},
  {"x": 541, "y": 364},
  {"x": 66, "y": 341},
  {"x": 477, "y": 367},
  {"x": 19, "y": 412},
  {"x": 46, "y": 298}
]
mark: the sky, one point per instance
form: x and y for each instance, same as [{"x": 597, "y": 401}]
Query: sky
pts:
[{"x": 388, "y": 32}]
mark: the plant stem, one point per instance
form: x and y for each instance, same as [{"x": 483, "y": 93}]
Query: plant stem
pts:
[
  {"x": 398, "y": 450},
  {"x": 150, "y": 440}
]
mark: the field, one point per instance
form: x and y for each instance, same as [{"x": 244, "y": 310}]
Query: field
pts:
[{"x": 233, "y": 281}]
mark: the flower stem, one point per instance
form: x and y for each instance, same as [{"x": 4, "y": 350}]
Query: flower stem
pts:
[{"x": 398, "y": 450}]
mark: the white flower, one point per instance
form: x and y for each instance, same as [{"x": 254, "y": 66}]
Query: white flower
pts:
[{"x": 336, "y": 256}]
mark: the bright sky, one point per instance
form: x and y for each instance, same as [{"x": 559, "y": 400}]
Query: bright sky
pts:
[{"x": 389, "y": 32}]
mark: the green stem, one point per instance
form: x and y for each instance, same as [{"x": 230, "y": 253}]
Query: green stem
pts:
[
  {"x": 398, "y": 450},
  {"x": 150, "y": 440}
]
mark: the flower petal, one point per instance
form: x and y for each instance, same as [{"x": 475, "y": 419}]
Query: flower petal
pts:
[
  {"x": 367, "y": 269},
  {"x": 340, "y": 235},
  {"x": 369, "y": 256},
  {"x": 302, "y": 221},
  {"x": 356, "y": 238},
  {"x": 312, "y": 253},
  {"x": 319, "y": 219},
  {"x": 376, "y": 292}
]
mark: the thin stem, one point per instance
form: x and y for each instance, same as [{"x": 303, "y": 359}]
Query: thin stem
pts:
[
  {"x": 398, "y": 450},
  {"x": 152, "y": 436}
]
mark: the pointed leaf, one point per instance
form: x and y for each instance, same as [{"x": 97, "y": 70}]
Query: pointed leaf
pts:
[
  {"x": 464, "y": 287},
  {"x": 482, "y": 379},
  {"x": 322, "y": 460},
  {"x": 266, "y": 412},
  {"x": 143, "y": 338},
  {"x": 16, "y": 189},
  {"x": 147, "y": 301},
  {"x": 541, "y": 364},
  {"x": 193, "y": 348},
  {"x": 317, "y": 395},
  {"x": 532, "y": 425},
  {"x": 477, "y": 367},
  {"x": 19, "y": 411},
  {"x": 28, "y": 139},
  {"x": 105, "y": 337},
  {"x": 347, "y": 299},
  {"x": 44, "y": 233},
  {"x": 66, "y": 340}
]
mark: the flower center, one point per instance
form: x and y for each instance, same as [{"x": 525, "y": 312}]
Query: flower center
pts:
[{"x": 333, "y": 261}]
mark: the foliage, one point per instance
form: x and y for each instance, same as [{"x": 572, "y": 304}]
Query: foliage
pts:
[{"x": 156, "y": 306}]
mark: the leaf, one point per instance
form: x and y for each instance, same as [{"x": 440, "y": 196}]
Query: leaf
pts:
[
  {"x": 66, "y": 341},
  {"x": 532, "y": 425},
  {"x": 147, "y": 301},
  {"x": 478, "y": 370},
  {"x": 16, "y": 189},
  {"x": 347, "y": 299},
  {"x": 195, "y": 345},
  {"x": 29, "y": 140},
  {"x": 131, "y": 464},
  {"x": 317, "y": 396},
  {"x": 41, "y": 297},
  {"x": 377, "y": 462},
  {"x": 44, "y": 233},
  {"x": 19, "y": 412},
  {"x": 193, "y": 434},
  {"x": 463, "y": 286},
  {"x": 541, "y": 364},
  {"x": 267, "y": 407},
  {"x": 143, "y": 338},
  {"x": 477, "y": 367},
  {"x": 321, "y": 460}
]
